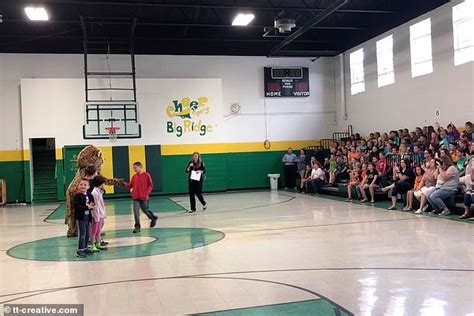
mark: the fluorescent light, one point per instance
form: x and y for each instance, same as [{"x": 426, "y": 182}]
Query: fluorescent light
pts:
[
  {"x": 36, "y": 14},
  {"x": 243, "y": 19}
]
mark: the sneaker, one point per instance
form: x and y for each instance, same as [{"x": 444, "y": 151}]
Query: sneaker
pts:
[
  {"x": 153, "y": 222},
  {"x": 391, "y": 208},
  {"x": 88, "y": 251},
  {"x": 445, "y": 213},
  {"x": 435, "y": 212},
  {"x": 204, "y": 207},
  {"x": 94, "y": 248},
  {"x": 192, "y": 212},
  {"x": 104, "y": 243},
  {"x": 81, "y": 254},
  {"x": 419, "y": 211},
  {"x": 348, "y": 200},
  {"x": 425, "y": 208},
  {"x": 407, "y": 209},
  {"x": 372, "y": 201},
  {"x": 136, "y": 230},
  {"x": 99, "y": 247}
]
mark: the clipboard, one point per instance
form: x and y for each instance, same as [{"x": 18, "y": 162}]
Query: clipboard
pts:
[{"x": 196, "y": 176}]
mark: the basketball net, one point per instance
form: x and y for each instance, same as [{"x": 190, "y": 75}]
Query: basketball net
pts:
[{"x": 112, "y": 133}]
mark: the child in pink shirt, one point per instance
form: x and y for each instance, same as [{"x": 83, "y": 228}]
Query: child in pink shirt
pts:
[{"x": 98, "y": 214}]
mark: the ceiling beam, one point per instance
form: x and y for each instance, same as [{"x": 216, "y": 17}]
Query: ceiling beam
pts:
[
  {"x": 123, "y": 40},
  {"x": 209, "y": 6},
  {"x": 316, "y": 19},
  {"x": 142, "y": 23},
  {"x": 306, "y": 53}
]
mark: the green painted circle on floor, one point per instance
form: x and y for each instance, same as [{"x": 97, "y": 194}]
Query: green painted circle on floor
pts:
[{"x": 158, "y": 241}]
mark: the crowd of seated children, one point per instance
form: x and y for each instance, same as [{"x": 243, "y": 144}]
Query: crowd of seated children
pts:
[{"x": 429, "y": 165}]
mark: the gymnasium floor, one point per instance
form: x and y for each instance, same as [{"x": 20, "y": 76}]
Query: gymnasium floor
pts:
[{"x": 250, "y": 253}]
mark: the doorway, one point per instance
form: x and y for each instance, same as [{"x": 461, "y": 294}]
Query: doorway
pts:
[{"x": 43, "y": 158}]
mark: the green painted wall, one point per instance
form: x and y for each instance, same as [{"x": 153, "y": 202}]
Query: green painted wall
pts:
[
  {"x": 16, "y": 174},
  {"x": 250, "y": 170},
  {"x": 224, "y": 171},
  {"x": 227, "y": 171}
]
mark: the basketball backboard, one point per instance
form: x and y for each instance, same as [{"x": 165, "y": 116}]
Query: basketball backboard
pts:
[{"x": 100, "y": 117}]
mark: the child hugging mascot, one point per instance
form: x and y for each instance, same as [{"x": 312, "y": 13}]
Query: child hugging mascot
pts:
[{"x": 89, "y": 163}]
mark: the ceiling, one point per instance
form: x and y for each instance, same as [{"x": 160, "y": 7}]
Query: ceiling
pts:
[{"x": 202, "y": 27}]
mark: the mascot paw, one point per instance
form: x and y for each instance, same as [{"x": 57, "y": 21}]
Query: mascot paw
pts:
[{"x": 119, "y": 182}]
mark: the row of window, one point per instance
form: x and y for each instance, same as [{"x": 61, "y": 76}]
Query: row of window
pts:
[{"x": 420, "y": 49}]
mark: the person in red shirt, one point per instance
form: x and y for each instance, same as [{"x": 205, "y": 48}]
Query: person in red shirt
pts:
[
  {"x": 141, "y": 186},
  {"x": 381, "y": 165}
]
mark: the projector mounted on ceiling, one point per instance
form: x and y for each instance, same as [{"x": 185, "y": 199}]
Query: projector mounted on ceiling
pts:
[{"x": 284, "y": 25}]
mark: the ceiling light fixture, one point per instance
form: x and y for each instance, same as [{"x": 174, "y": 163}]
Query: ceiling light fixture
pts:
[
  {"x": 36, "y": 13},
  {"x": 243, "y": 19}
]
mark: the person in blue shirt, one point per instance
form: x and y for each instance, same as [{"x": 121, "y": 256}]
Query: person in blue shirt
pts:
[
  {"x": 290, "y": 160},
  {"x": 418, "y": 155}
]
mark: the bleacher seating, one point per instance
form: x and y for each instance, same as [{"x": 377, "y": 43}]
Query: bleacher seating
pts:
[{"x": 455, "y": 203}]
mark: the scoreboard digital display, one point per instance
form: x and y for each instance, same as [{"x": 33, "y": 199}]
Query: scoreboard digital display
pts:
[{"x": 286, "y": 82}]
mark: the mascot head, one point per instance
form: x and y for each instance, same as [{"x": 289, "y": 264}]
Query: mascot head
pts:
[{"x": 90, "y": 156}]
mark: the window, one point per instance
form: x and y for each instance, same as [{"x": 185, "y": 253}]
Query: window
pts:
[
  {"x": 463, "y": 26},
  {"x": 385, "y": 73},
  {"x": 356, "y": 61},
  {"x": 420, "y": 48}
]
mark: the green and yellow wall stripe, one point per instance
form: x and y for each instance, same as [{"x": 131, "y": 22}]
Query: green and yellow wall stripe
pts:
[{"x": 231, "y": 165}]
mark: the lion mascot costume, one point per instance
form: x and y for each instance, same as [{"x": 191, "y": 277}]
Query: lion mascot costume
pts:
[{"x": 89, "y": 163}]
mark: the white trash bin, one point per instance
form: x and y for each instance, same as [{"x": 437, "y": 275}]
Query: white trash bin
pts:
[{"x": 274, "y": 180}]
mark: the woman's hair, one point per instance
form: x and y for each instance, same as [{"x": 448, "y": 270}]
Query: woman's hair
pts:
[
  {"x": 199, "y": 162},
  {"x": 431, "y": 130},
  {"x": 446, "y": 161},
  {"x": 406, "y": 161},
  {"x": 421, "y": 169}
]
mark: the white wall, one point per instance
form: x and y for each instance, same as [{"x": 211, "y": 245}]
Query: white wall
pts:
[
  {"x": 410, "y": 102},
  {"x": 59, "y": 113},
  {"x": 242, "y": 82}
]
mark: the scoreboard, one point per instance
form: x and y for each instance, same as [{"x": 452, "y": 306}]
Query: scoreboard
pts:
[{"x": 286, "y": 82}]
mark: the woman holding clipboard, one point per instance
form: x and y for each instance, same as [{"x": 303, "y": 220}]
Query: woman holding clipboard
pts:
[{"x": 196, "y": 170}]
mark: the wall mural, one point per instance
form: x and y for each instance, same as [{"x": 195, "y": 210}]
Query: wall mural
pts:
[{"x": 189, "y": 116}]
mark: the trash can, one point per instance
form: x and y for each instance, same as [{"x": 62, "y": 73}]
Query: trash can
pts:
[{"x": 274, "y": 180}]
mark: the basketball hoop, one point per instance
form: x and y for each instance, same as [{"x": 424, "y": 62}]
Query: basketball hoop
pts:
[{"x": 112, "y": 130}]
